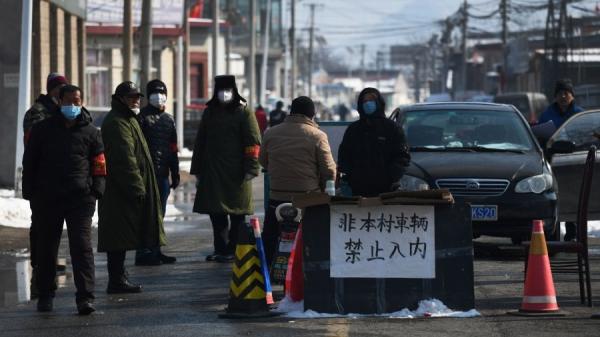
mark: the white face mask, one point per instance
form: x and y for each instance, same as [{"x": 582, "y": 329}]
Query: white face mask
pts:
[
  {"x": 136, "y": 110},
  {"x": 157, "y": 100},
  {"x": 225, "y": 96}
]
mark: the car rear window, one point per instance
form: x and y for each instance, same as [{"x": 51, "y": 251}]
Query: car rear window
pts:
[{"x": 503, "y": 130}]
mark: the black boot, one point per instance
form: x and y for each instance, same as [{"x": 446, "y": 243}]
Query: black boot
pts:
[
  {"x": 122, "y": 285},
  {"x": 118, "y": 283},
  {"x": 85, "y": 307}
]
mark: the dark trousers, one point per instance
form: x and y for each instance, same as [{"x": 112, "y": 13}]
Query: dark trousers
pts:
[
  {"x": 271, "y": 230},
  {"x": 48, "y": 217},
  {"x": 225, "y": 231},
  {"x": 164, "y": 189},
  {"x": 115, "y": 263}
]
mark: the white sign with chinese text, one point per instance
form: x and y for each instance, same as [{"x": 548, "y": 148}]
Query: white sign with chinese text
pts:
[{"x": 387, "y": 241}]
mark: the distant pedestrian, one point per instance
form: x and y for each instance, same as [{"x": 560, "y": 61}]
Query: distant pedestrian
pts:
[
  {"x": 563, "y": 107},
  {"x": 277, "y": 116},
  {"x": 343, "y": 112},
  {"x": 130, "y": 215},
  {"x": 45, "y": 106},
  {"x": 558, "y": 112},
  {"x": 261, "y": 118},
  {"x": 159, "y": 130},
  {"x": 225, "y": 160},
  {"x": 63, "y": 175},
  {"x": 298, "y": 158},
  {"x": 373, "y": 154}
]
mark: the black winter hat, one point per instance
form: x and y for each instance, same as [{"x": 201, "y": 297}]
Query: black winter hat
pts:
[
  {"x": 564, "y": 84},
  {"x": 225, "y": 82},
  {"x": 127, "y": 88},
  {"x": 303, "y": 106},
  {"x": 155, "y": 86}
]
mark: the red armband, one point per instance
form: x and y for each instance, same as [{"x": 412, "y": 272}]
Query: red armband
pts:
[
  {"x": 173, "y": 147},
  {"x": 99, "y": 165},
  {"x": 252, "y": 151}
]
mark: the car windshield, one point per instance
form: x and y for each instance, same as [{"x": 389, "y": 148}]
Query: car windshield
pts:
[{"x": 474, "y": 130}]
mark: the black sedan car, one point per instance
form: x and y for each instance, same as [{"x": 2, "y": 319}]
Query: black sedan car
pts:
[{"x": 487, "y": 156}]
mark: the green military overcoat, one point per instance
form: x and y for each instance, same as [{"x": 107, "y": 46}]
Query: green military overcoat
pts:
[
  {"x": 225, "y": 152},
  {"x": 129, "y": 212}
]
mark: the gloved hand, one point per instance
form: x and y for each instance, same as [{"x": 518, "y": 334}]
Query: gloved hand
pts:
[
  {"x": 140, "y": 199},
  {"x": 175, "y": 180},
  {"x": 249, "y": 176}
]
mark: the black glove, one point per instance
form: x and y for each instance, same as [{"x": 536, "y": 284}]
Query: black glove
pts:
[
  {"x": 175, "y": 180},
  {"x": 140, "y": 199}
]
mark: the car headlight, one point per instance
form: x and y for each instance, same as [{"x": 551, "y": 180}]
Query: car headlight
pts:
[
  {"x": 410, "y": 183},
  {"x": 536, "y": 184}
]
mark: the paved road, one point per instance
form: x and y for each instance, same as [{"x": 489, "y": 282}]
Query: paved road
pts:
[{"x": 184, "y": 299}]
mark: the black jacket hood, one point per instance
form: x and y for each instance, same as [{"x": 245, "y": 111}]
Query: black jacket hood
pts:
[{"x": 380, "y": 112}]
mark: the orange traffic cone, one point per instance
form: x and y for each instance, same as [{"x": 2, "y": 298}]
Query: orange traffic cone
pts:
[
  {"x": 539, "y": 295},
  {"x": 294, "y": 278}
]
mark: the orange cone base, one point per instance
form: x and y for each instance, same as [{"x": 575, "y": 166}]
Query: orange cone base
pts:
[{"x": 558, "y": 313}]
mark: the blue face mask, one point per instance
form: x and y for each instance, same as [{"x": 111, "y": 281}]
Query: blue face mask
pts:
[
  {"x": 369, "y": 107},
  {"x": 70, "y": 111}
]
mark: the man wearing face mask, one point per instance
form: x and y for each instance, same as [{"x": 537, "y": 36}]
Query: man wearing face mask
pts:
[
  {"x": 159, "y": 130},
  {"x": 373, "y": 154},
  {"x": 225, "y": 160},
  {"x": 63, "y": 175},
  {"x": 130, "y": 215},
  {"x": 45, "y": 106}
]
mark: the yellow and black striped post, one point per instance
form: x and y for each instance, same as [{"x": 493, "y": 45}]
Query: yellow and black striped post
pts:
[{"x": 247, "y": 297}]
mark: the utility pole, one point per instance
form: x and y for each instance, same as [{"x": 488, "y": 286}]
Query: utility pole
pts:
[
  {"x": 265, "y": 56},
  {"x": 230, "y": 19},
  {"x": 252, "y": 63},
  {"x": 215, "y": 39},
  {"x": 127, "y": 39},
  {"x": 464, "y": 46},
  {"x": 146, "y": 44},
  {"x": 310, "y": 47},
  {"x": 363, "y": 71},
  {"x": 293, "y": 50},
  {"x": 504, "y": 16},
  {"x": 417, "y": 79}
]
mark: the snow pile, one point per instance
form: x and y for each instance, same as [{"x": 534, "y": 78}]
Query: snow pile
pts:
[
  {"x": 185, "y": 153},
  {"x": 427, "y": 308},
  {"x": 14, "y": 212}
]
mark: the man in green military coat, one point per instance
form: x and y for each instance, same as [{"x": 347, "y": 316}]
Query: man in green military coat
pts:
[
  {"x": 225, "y": 161},
  {"x": 129, "y": 214}
]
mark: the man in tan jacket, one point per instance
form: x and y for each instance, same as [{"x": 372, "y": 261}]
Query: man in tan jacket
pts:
[{"x": 297, "y": 156}]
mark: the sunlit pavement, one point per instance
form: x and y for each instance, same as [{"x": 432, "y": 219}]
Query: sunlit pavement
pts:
[{"x": 184, "y": 299}]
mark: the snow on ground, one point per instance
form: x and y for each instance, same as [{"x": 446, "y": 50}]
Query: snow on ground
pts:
[
  {"x": 427, "y": 308},
  {"x": 15, "y": 212}
]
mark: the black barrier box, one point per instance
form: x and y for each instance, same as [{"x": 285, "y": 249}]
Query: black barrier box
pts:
[{"x": 453, "y": 282}]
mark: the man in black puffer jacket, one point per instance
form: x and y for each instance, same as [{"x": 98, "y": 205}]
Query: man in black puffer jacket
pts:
[
  {"x": 63, "y": 175},
  {"x": 159, "y": 130},
  {"x": 373, "y": 154}
]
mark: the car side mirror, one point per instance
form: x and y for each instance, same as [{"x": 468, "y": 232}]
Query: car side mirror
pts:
[{"x": 562, "y": 146}]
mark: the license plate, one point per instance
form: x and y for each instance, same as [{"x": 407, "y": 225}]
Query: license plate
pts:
[{"x": 484, "y": 212}]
